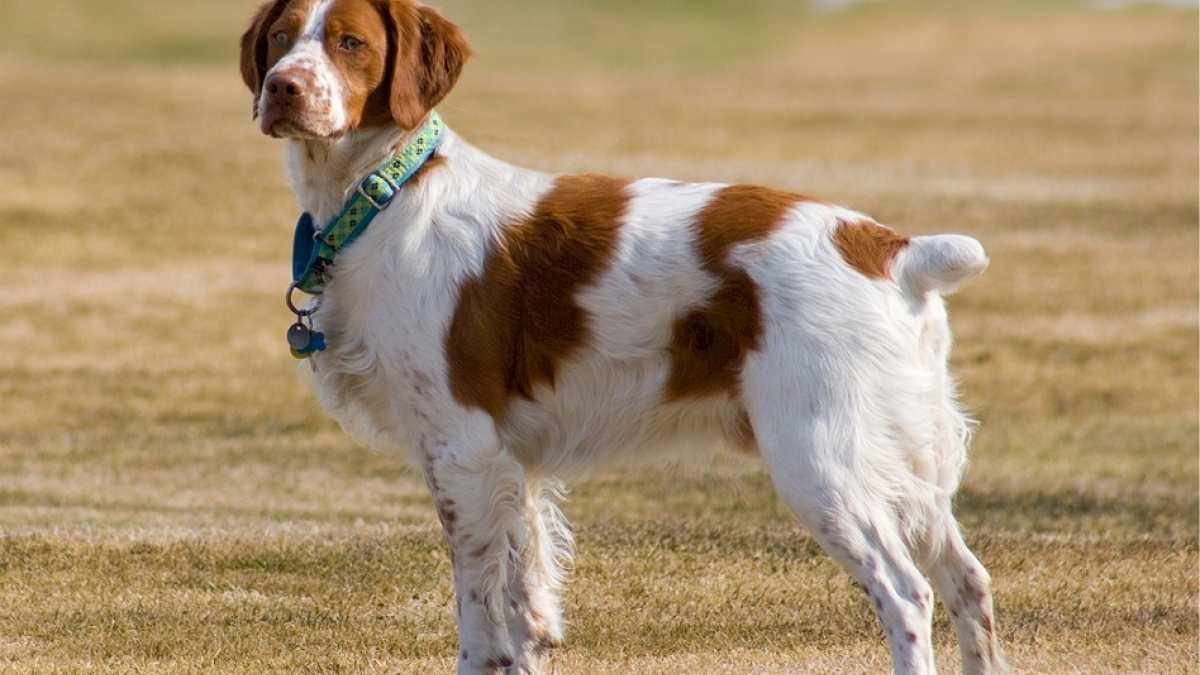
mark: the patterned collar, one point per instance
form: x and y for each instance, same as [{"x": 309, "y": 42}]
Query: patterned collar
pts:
[{"x": 313, "y": 250}]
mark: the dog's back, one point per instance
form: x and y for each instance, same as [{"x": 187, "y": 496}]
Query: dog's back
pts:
[{"x": 623, "y": 319}]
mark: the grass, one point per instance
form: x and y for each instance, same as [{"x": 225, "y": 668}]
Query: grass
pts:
[{"x": 172, "y": 501}]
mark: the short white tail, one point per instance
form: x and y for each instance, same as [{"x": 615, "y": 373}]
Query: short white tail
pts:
[{"x": 939, "y": 263}]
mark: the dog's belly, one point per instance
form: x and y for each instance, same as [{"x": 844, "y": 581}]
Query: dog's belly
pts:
[{"x": 601, "y": 411}]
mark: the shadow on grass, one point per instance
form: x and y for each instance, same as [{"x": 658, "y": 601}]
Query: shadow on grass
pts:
[{"x": 1127, "y": 512}]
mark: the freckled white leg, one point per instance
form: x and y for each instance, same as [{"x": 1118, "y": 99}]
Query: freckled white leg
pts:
[
  {"x": 871, "y": 549},
  {"x": 536, "y": 614},
  {"x": 817, "y": 458},
  {"x": 508, "y": 545},
  {"x": 478, "y": 491},
  {"x": 965, "y": 588}
]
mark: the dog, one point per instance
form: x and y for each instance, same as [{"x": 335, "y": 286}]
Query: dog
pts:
[{"x": 509, "y": 330}]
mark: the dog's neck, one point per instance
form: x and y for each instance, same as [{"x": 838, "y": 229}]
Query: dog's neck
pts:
[{"x": 325, "y": 172}]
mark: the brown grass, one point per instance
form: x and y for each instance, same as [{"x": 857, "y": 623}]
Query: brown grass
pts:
[{"x": 171, "y": 500}]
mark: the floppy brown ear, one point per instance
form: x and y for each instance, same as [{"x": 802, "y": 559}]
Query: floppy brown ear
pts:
[
  {"x": 428, "y": 53},
  {"x": 254, "y": 45}
]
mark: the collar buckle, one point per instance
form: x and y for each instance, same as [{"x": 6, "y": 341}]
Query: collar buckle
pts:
[{"x": 379, "y": 206}]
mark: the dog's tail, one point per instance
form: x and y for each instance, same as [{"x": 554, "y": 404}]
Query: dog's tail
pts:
[
  {"x": 925, "y": 268},
  {"x": 939, "y": 263}
]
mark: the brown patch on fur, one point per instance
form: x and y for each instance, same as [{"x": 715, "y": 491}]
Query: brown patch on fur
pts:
[
  {"x": 498, "y": 662},
  {"x": 868, "y": 247},
  {"x": 426, "y": 55},
  {"x": 742, "y": 438},
  {"x": 434, "y": 161},
  {"x": 709, "y": 343},
  {"x": 449, "y": 518},
  {"x": 519, "y": 320},
  {"x": 360, "y": 70}
]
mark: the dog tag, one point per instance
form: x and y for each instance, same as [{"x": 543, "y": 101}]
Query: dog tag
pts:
[{"x": 298, "y": 336}]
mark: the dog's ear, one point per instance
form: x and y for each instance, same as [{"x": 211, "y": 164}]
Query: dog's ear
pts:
[
  {"x": 428, "y": 53},
  {"x": 254, "y": 46}
]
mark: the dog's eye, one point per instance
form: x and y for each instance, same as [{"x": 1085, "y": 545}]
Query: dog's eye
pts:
[
  {"x": 281, "y": 38},
  {"x": 350, "y": 43}
]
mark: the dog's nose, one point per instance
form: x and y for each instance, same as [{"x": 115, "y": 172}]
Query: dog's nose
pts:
[{"x": 284, "y": 88}]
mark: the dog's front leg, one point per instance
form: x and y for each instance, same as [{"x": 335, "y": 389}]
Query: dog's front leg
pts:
[
  {"x": 480, "y": 494},
  {"x": 536, "y": 618}
]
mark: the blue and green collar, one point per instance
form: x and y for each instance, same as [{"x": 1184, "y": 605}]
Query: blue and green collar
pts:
[{"x": 314, "y": 251}]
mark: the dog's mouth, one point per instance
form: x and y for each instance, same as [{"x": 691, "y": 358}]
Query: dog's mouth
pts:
[
  {"x": 285, "y": 129},
  {"x": 292, "y": 130},
  {"x": 277, "y": 125}
]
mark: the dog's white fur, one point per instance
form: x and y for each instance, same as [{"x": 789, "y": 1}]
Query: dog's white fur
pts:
[{"x": 847, "y": 394}]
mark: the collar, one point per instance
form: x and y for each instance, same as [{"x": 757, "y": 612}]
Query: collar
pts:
[{"x": 313, "y": 250}]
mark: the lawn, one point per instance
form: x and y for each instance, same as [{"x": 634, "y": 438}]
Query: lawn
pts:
[{"x": 172, "y": 501}]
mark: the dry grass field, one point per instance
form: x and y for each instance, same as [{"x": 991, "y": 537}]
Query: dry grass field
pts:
[{"x": 172, "y": 501}]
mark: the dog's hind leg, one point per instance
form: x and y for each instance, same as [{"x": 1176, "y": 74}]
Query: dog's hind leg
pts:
[
  {"x": 965, "y": 588},
  {"x": 837, "y": 483},
  {"x": 859, "y": 530}
]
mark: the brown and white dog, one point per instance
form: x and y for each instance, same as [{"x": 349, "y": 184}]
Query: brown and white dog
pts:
[{"x": 510, "y": 329}]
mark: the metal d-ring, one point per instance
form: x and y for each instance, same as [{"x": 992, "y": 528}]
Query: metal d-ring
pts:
[{"x": 300, "y": 313}]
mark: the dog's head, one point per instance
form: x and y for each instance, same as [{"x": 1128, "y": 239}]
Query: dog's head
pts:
[{"x": 321, "y": 68}]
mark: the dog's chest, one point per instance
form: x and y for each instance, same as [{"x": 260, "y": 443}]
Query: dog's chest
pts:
[{"x": 385, "y": 314}]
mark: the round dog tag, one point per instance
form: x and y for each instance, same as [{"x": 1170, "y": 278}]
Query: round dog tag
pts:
[{"x": 298, "y": 336}]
